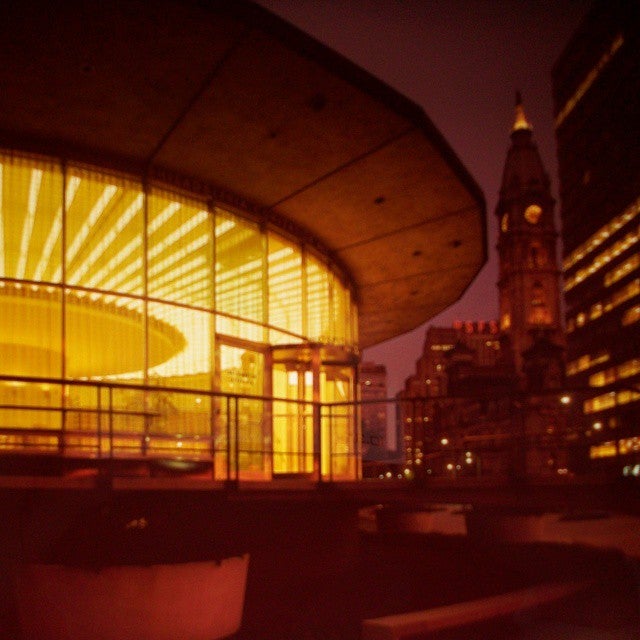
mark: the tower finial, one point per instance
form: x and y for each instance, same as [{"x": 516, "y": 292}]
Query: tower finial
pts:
[{"x": 520, "y": 123}]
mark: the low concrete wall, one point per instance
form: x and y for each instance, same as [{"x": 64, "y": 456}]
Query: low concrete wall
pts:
[
  {"x": 455, "y": 616},
  {"x": 190, "y": 601}
]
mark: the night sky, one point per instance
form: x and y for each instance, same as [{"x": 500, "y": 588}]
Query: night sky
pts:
[{"x": 462, "y": 62}]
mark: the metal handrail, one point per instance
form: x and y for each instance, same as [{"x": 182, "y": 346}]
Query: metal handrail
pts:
[{"x": 109, "y": 439}]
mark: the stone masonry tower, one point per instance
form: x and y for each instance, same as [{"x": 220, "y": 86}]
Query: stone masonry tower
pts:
[{"x": 529, "y": 278}]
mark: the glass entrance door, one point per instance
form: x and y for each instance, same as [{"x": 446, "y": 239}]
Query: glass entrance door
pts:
[
  {"x": 314, "y": 421},
  {"x": 242, "y": 436},
  {"x": 293, "y": 439}
]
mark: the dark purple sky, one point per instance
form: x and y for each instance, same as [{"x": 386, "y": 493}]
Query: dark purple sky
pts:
[{"x": 462, "y": 61}]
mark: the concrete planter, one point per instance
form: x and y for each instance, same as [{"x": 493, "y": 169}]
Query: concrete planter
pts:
[{"x": 190, "y": 601}]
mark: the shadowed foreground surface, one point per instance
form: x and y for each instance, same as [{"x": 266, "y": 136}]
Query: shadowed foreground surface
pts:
[{"x": 406, "y": 572}]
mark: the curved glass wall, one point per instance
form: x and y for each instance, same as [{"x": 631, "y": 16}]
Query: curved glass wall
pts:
[{"x": 170, "y": 302}]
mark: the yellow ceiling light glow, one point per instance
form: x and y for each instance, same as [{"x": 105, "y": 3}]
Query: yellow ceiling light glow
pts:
[
  {"x": 55, "y": 230},
  {"x": 98, "y": 209},
  {"x": 27, "y": 230},
  {"x": 2, "y": 268},
  {"x": 107, "y": 240}
]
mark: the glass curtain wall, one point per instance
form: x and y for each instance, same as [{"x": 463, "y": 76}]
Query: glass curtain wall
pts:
[
  {"x": 31, "y": 320},
  {"x": 105, "y": 279}
]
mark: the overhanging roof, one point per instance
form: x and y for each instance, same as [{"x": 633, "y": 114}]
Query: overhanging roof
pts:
[{"x": 227, "y": 94}]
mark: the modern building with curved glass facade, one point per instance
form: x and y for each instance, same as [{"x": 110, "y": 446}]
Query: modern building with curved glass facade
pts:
[
  {"x": 200, "y": 230},
  {"x": 107, "y": 279}
]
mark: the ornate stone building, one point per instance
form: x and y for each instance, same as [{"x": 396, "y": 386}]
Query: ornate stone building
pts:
[{"x": 486, "y": 396}]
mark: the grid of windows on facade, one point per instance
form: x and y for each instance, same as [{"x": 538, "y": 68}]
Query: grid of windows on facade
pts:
[
  {"x": 131, "y": 312},
  {"x": 612, "y": 259},
  {"x": 610, "y": 256}
]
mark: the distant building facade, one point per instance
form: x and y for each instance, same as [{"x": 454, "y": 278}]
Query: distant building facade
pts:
[
  {"x": 442, "y": 409},
  {"x": 378, "y": 437},
  {"x": 485, "y": 395},
  {"x": 596, "y": 85}
]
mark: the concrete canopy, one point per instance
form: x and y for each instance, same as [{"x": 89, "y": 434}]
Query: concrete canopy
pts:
[{"x": 227, "y": 95}]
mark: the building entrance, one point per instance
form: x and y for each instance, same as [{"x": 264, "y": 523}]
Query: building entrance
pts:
[
  {"x": 295, "y": 389},
  {"x": 310, "y": 435}
]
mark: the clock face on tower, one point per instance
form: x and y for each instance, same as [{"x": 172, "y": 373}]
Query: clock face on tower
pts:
[{"x": 532, "y": 213}]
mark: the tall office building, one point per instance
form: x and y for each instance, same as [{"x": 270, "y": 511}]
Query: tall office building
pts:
[{"x": 596, "y": 84}]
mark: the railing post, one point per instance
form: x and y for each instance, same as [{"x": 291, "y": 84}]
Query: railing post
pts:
[
  {"x": 110, "y": 423},
  {"x": 228, "y": 452},
  {"x": 63, "y": 426},
  {"x": 212, "y": 435},
  {"x": 237, "y": 442},
  {"x": 99, "y": 415},
  {"x": 317, "y": 439},
  {"x": 331, "y": 451}
]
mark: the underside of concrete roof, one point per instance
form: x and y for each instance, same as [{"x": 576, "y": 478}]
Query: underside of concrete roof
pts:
[{"x": 228, "y": 95}]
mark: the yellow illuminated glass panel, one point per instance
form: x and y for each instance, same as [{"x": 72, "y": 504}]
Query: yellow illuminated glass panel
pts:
[
  {"x": 355, "y": 334},
  {"x": 104, "y": 232},
  {"x": 242, "y": 373},
  {"x": 30, "y": 205},
  {"x": 180, "y": 250},
  {"x": 29, "y": 406},
  {"x": 293, "y": 446},
  {"x": 318, "y": 310},
  {"x": 180, "y": 346},
  {"x": 31, "y": 326},
  {"x": 284, "y": 273},
  {"x": 178, "y": 424},
  {"x": 105, "y": 336},
  {"x": 340, "y": 312},
  {"x": 240, "y": 272},
  {"x": 339, "y": 455}
]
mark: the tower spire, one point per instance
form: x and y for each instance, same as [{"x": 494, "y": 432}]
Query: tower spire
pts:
[
  {"x": 529, "y": 279},
  {"x": 520, "y": 123}
]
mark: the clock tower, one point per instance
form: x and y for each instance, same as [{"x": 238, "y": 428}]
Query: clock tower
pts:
[{"x": 529, "y": 278}]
